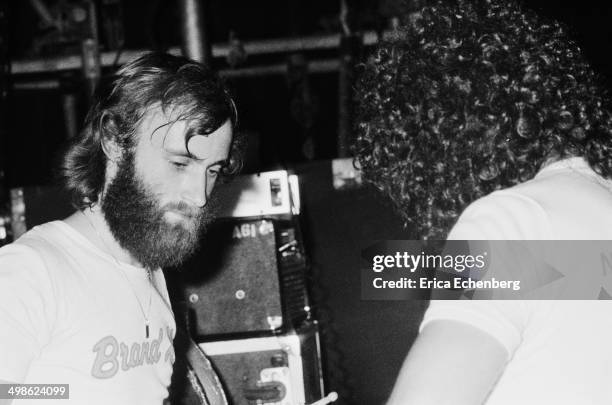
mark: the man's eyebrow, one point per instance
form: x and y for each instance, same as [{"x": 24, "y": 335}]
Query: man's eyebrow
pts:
[
  {"x": 221, "y": 162},
  {"x": 185, "y": 154}
]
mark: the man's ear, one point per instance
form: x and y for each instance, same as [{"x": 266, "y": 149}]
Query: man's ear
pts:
[{"x": 108, "y": 137}]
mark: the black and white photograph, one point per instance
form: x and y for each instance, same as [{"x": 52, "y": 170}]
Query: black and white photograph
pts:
[{"x": 347, "y": 202}]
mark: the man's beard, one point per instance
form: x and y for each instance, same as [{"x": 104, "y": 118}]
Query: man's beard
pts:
[{"x": 137, "y": 222}]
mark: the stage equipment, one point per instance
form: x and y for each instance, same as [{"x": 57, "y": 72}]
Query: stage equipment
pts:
[
  {"x": 65, "y": 24},
  {"x": 195, "y": 31},
  {"x": 282, "y": 370},
  {"x": 250, "y": 277},
  {"x": 247, "y": 299}
]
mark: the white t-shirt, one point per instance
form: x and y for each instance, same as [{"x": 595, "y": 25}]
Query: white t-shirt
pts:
[
  {"x": 70, "y": 315},
  {"x": 559, "y": 352}
]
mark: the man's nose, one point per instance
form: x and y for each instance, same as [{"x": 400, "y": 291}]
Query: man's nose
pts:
[{"x": 196, "y": 191}]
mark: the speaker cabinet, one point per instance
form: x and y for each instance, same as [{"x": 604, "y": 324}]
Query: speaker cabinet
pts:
[{"x": 249, "y": 278}]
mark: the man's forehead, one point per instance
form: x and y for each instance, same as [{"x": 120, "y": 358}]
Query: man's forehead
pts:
[{"x": 175, "y": 135}]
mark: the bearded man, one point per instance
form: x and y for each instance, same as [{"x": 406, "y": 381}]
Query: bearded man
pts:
[
  {"x": 83, "y": 301},
  {"x": 483, "y": 121}
]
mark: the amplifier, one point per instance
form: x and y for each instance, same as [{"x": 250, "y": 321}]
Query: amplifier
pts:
[
  {"x": 248, "y": 278},
  {"x": 281, "y": 370},
  {"x": 250, "y": 275}
]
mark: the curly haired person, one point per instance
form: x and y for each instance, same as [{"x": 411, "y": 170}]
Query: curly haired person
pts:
[{"x": 483, "y": 121}]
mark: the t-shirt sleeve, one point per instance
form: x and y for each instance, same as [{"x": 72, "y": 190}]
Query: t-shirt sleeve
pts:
[
  {"x": 499, "y": 216},
  {"x": 26, "y": 309}
]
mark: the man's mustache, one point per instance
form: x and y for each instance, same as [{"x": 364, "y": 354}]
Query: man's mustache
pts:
[{"x": 185, "y": 209}]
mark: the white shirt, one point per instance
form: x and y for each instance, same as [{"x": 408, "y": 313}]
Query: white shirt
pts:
[
  {"x": 70, "y": 315},
  {"x": 559, "y": 352}
]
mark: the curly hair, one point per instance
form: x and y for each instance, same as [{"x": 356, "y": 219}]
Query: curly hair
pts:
[
  {"x": 122, "y": 100},
  {"x": 472, "y": 97}
]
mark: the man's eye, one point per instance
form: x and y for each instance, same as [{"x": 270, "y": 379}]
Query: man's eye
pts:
[
  {"x": 179, "y": 165},
  {"x": 214, "y": 172}
]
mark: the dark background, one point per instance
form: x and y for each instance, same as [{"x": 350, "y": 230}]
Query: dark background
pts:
[
  {"x": 288, "y": 126},
  {"x": 285, "y": 123}
]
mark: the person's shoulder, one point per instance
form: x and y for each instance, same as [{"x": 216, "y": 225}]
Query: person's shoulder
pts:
[
  {"x": 502, "y": 215},
  {"x": 565, "y": 200},
  {"x": 19, "y": 253},
  {"x": 35, "y": 246},
  {"x": 41, "y": 235},
  {"x": 577, "y": 201},
  {"x": 570, "y": 180},
  {"x": 21, "y": 263}
]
